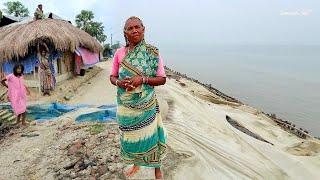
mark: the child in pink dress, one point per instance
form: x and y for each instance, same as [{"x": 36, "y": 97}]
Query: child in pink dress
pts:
[{"x": 17, "y": 93}]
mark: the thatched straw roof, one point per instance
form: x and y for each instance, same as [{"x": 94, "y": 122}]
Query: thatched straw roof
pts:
[{"x": 15, "y": 40}]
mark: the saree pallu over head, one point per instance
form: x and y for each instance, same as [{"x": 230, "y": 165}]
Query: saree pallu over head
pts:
[{"x": 143, "y": 137}]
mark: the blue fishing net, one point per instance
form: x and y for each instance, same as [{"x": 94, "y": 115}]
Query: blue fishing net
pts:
[
  {"x": 108, "y": 113},
  {"x": 43, "y": 112},
  {"x": 50, "y": 111}
]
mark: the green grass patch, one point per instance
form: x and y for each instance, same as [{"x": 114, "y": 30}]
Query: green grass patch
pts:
[{"x": 96, "y": 128}]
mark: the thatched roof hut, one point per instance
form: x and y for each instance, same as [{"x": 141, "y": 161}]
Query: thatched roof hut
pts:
[{"x": 15, "y": 40}]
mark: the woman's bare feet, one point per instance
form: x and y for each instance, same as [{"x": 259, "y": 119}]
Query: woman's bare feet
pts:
[
  {"x": 158, "y": 173},
  {"x": 132, "y": 171}
]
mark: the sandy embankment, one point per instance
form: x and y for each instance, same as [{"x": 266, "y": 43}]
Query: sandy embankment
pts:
[
  {"x": 198, "y": 128},
  {"x": 218, "y": 150},
  {"x": 203, "y": 145}
]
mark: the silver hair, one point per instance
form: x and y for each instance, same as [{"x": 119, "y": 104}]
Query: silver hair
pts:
[{"x": 125, "y": 27}]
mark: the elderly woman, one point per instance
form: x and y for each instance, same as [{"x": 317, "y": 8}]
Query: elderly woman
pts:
[{"x": 137, "y": 68}]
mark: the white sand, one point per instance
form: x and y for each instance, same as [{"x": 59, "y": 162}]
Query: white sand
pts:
[
  {"x": 198, "y": 128},
  {"x": 219, "y": 151}
]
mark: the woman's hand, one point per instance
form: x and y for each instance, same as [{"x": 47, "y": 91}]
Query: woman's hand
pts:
[
  {"x": 125, "y": 83},
  {"x": 128, "y": 84},
  {"x": 136, "y": 81}
]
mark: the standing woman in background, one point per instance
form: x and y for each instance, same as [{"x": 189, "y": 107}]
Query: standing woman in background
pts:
[
  {"x": 137, "y": 68},
  {"x": 46, "y": 75}
]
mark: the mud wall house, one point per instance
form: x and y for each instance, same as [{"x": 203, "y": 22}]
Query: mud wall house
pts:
[{"x": 70, "y": 48}]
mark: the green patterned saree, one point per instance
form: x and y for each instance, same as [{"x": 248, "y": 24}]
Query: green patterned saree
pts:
[{"x": 143, "y": 138}]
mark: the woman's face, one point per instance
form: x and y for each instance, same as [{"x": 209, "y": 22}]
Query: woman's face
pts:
[
  {"x": 43, "y": 53},
  {"x": 134, "y": 31}
]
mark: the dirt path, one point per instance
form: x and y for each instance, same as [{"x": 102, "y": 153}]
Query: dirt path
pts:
[
  {"x": 19, "y": 156},
  {"x": 98, "y": 91},
  {"x": 16, "y": 153}
]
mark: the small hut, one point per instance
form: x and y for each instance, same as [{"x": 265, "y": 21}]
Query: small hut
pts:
[{"x": 19, "y": 41}]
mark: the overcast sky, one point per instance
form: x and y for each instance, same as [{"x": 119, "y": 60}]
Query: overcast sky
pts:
[{"x": 196, "y": 22}]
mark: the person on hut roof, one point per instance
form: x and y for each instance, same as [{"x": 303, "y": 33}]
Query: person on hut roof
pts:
[{"x": 38, "y": 14}]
